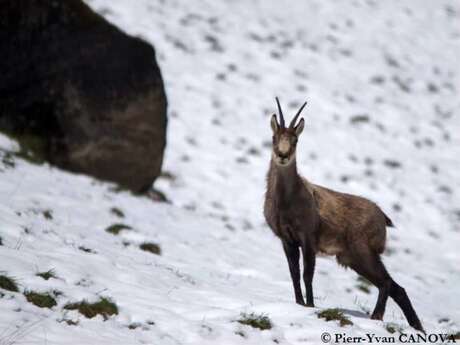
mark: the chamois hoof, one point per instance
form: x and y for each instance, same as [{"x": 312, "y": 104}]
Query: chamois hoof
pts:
[
  {"x": 300, "y": 302},
  {"x": 310, "y": 305},
  {"x": 377, "y": 317},
  {"x": 418, "y": 327}
]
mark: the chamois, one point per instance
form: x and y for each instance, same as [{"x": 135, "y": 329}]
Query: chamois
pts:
[{"x": 320, "y": 220}]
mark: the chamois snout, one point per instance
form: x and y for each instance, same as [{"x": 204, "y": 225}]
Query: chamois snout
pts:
[{"x": 284, "y": 147}]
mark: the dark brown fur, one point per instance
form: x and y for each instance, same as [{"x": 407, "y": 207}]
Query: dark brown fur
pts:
[{"x": 322, "y": 221}]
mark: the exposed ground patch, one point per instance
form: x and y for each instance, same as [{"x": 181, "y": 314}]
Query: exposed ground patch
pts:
[
  {"x": 104, "y": 307},
  {"x": 261, "y": 321},
  {"x": 335, "y": 314}
]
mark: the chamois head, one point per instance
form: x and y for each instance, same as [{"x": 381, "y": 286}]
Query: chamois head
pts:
[{"x": 285, "y": 139}]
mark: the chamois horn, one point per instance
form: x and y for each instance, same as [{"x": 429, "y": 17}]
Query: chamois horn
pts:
[
  {"x": 281, "y": 113},
  {"x": 294, "y": 120}
]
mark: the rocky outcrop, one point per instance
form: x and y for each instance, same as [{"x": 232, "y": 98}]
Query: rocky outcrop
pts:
[{"x": 92, "y": 93}]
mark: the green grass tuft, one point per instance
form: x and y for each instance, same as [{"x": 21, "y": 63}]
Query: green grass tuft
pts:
[
  {"x": 41, "y": 300},
  {"x": 32, "y": 147},
  {"x": 393, "y": 328},
  {"x": 47, "y": 274},
  {"x": 8, "y": 283},
  {"x": 334, "y": 314},
  {"x": 151, "y": 247},
  {"x": 390, "y": 328},
  {"x": 68, "y": 322},
  {"x": 115, "y": 229},
  {"x": 104, "y": 307},
  {"x": 117, "y": 212},
  {"x": 261, "y": 321},
  {"x": 8, "y": 160}
]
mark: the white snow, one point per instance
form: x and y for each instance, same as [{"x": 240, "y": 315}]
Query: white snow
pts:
[{"x": 223, "y": 62}]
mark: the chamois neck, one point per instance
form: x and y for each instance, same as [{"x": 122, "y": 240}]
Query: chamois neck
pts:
[{"x": 286, "y": 177}]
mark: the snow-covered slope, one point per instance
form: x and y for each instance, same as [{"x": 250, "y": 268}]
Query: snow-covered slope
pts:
[{"x": 382, "y": 83}]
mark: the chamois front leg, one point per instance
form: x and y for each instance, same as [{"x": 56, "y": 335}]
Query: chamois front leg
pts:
[
  {"x": 309, "y": 260},
  {"x": 292, "y": 254}
]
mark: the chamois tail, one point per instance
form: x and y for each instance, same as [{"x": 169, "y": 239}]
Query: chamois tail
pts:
[{"x": 388, "y": 221}]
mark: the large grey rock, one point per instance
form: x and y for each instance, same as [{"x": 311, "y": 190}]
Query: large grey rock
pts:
[{"x": 92, "y": 93}]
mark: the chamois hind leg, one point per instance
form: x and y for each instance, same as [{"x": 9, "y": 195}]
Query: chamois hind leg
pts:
[
  {"x": 369, "y": 265},
  {"x": 292, "y": 254}
]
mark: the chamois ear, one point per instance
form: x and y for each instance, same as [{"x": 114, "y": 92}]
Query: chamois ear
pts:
[
  {"x": 274, "y": 124},
  {"x": 299, "y": 127}
]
